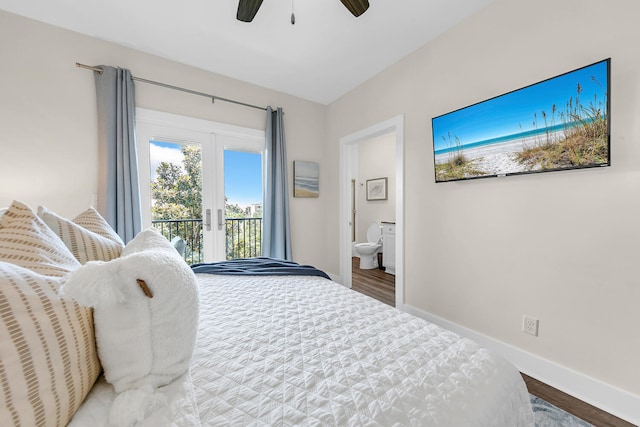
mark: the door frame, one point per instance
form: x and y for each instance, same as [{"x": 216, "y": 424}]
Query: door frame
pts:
[
  {"x": 220, "y": 136},
  {"x": 348, "y": 169}
]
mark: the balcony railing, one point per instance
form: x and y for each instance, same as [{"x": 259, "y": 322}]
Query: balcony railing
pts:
[{"x": 242, "y": 238}]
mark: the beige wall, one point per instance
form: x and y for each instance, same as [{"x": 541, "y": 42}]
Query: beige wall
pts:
[
  {"x": 376, "y": 159},
  {"x": 560, "y": 246},
  {"x": 48, "y": 148}
]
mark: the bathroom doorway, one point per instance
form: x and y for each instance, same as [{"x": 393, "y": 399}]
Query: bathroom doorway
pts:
[
  {"x": 375, "y": 165},
  {"x": 350, "y": 150}
]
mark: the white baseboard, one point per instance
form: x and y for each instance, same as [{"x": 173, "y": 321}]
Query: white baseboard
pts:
[{"x": 611, "y": 399}]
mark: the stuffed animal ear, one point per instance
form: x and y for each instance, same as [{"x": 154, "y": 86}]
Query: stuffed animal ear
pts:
[{"x": 94, "y": 284}]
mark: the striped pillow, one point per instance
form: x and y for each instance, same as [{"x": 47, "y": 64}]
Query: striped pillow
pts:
[
  {"x": 93, "y": 221},
  {"x": 84, "y": 244},
  {"x": 48, "y": 358},
  {"x": 25, "y": 240}
]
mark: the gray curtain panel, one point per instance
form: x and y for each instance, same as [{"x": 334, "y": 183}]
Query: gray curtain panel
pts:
[
  {"x": 276, "y": 234},
  {"x": 118, "y": 185}
]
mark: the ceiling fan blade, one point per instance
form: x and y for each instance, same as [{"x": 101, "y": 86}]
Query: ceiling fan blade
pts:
[
  {"x": 247, "y": 10},
  {"x": 356, "y": 7}
]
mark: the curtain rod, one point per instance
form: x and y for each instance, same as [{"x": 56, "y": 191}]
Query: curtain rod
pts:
[{"x": 181, "y": 89}]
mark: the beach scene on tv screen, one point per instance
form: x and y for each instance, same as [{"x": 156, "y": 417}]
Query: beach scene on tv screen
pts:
[{"x": 560, "y": 123}]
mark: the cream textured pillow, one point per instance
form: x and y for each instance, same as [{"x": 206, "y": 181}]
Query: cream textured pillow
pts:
[
  {"x": 84, "y": 244},
  {"x": 93, "y": 221},
  {"x": 48, "y": 358},
  {"x": 25, "y": 240},
  {"x": 147, "y": 239},
  {"x": 146, "y": 317}
]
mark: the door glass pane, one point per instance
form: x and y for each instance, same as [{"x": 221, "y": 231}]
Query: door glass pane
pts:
[
  {"x": 243, "y": 203},
  {"x": 176, "y": 194}
]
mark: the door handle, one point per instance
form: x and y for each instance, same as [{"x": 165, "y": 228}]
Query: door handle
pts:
[
  {"x": 207, "y": 219},
  {"x": 220, "y": 220}
]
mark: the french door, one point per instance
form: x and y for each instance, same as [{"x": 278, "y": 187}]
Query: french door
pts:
[{"x": 182, "y": 178}]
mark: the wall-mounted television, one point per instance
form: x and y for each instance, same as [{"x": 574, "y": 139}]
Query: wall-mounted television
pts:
[{"x": 557, "y": 124}]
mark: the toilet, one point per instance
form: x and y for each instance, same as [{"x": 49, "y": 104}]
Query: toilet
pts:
[{"x": 368, "y": 251}]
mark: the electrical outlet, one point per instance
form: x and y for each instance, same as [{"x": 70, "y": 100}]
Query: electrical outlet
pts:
[{"x": 530, "y": 325}]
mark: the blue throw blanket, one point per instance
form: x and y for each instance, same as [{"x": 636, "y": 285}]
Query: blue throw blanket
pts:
[{"x": 258, "y": 267}]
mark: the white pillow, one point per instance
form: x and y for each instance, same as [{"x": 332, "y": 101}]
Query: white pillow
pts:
[
  {"x": 147, "y": 239},
  {"x": 144, "y": 342},
  {"x": 84, "y": 244}
]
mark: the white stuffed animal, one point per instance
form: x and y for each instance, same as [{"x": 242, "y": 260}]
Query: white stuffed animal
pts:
[{"x": 146, "y": 316}]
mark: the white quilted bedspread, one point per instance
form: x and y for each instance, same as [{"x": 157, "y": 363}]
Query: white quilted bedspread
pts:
[{"x": 286, "y": 351}]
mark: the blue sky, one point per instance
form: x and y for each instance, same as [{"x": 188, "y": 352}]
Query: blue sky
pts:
[
  {"x": 505, "y": 114},
  {"x": 243, "y": 177},
  {"x": 243, "y": 171}
]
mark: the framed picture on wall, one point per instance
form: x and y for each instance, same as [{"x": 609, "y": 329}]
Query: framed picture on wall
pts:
[
  {"x": 306, "y": 177},
  {"x": 557, "y": 124},
  {"x": 377, "y": 189}
]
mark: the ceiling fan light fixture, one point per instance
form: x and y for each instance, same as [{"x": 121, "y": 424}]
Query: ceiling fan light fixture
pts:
[
  {"x": 356, "y": 7},
  {"x": 247, "y": 10},
  {"x": 293, "y": 14}
]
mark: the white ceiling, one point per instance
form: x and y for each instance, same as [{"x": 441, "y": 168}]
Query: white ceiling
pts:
[{"x": 324, "y": 55}]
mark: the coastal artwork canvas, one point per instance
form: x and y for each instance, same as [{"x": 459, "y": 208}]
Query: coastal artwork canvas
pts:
[
  {"x": 557, "y": 124},
  {"x": 306, "y": 176}
]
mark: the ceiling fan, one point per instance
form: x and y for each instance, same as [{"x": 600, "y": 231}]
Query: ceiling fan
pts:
[{"x": 247, "y": 9}]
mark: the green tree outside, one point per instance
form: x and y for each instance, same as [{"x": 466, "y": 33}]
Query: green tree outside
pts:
[{"x": 177, "y": 195}]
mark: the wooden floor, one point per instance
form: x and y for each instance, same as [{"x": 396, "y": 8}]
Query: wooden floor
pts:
[
  {"x": 580, "y": 409},
  {"x": 374, "y": 283},
  {"x": 381, "y": 286}
]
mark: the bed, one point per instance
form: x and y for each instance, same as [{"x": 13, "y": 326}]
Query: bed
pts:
[
  {"x": 297, "y": 350},
  {"x": 285, "y": 350}
]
